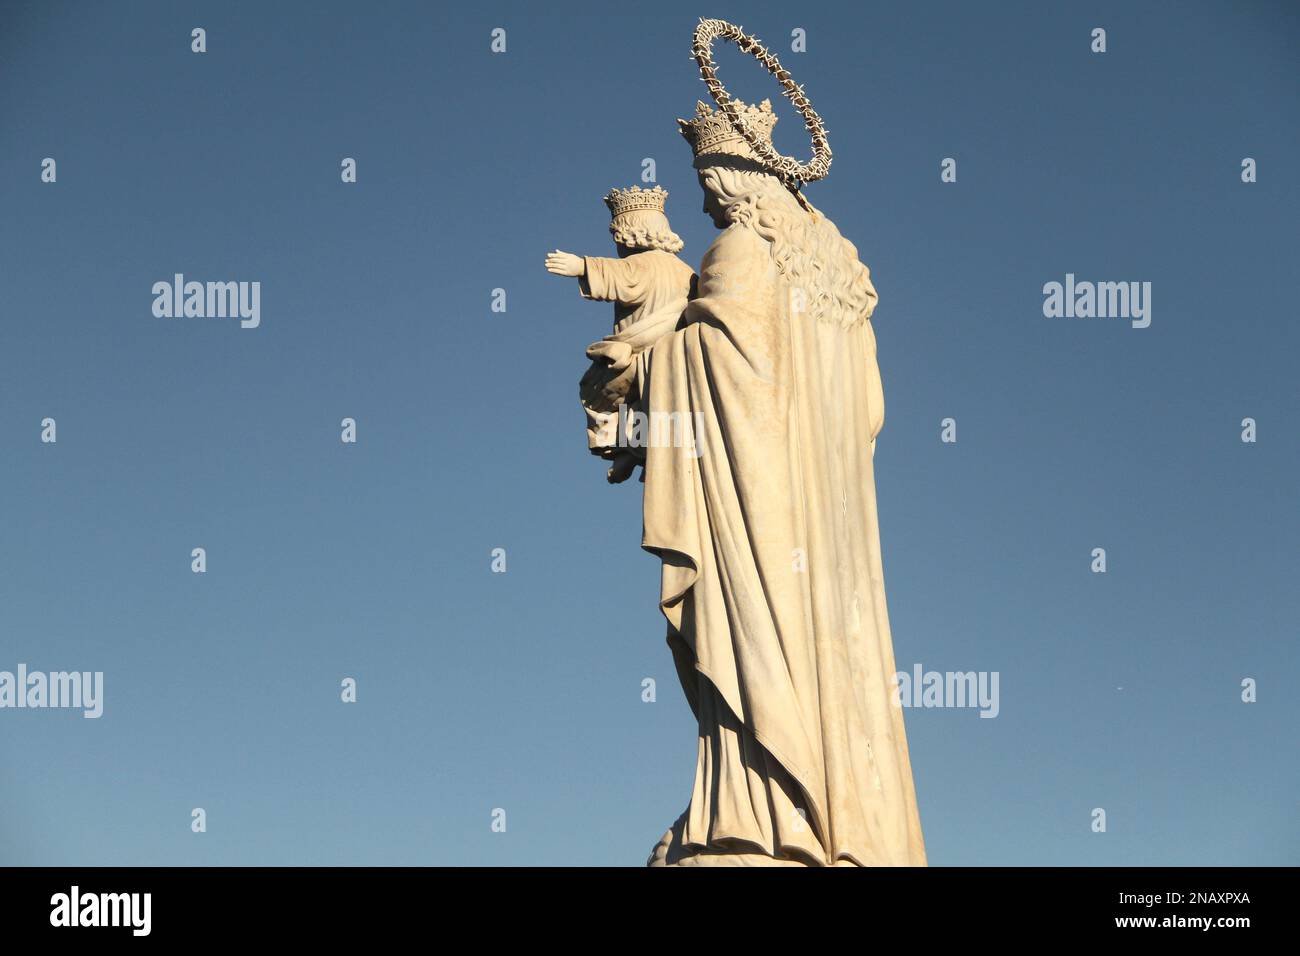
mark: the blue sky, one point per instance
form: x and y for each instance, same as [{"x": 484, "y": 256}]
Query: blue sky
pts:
[{"x": 523, "y": 690}]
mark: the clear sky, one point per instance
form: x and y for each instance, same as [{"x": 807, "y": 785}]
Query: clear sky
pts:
[{"x": 522, "y": 690}]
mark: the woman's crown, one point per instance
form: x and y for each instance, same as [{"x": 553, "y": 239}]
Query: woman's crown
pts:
[
  {"x": 620, "y": 201},
  {"x": 711, "y": 131}
]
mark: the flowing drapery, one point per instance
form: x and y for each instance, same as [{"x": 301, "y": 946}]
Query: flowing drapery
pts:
[{"x": 772, "y": 583}]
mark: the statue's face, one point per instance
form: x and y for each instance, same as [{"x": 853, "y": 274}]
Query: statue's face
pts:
[{"x": 712, "y": 205}]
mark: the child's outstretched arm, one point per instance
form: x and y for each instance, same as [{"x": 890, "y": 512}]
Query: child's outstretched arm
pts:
[{"x": 565, "y": 264}]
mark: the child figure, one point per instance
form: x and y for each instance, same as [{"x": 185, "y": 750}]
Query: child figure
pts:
[{"x": 649, "y": 286}]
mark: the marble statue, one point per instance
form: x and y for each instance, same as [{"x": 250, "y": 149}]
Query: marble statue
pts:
[
  {"x": 766, "y": 526},
  {"x": 649, "y": 287}
]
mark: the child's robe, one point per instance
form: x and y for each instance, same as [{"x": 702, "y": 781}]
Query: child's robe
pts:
[{"x": 649, "y": 290}]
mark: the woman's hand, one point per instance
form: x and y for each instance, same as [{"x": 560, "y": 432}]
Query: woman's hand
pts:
[{"x": 565, "y": 264}]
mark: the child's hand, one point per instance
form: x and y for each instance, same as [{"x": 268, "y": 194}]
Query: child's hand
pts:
[{"x": 565, "y": 263}]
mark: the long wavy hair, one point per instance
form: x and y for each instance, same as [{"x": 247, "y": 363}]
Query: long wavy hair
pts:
[{"x": 806, "y": 247}]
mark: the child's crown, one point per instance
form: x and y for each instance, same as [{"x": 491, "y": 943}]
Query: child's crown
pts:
[{"x": 620, "y": 201}]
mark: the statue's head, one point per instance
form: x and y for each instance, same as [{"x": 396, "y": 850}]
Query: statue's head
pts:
[
  {"x": 730, "y": 172},
  {"x": 735, "y": 186},
  {"x": 638, "y": 222},
  {"x": 740, "y": 189}
]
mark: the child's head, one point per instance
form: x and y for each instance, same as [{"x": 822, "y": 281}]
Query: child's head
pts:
[{"x": 638, "y": 222}]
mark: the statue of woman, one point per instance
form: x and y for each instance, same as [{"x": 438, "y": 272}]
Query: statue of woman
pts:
[{"x": 772, "y": 582}]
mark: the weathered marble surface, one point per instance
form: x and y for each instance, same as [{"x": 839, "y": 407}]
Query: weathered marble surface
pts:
[{"x": 760, "y": 501}]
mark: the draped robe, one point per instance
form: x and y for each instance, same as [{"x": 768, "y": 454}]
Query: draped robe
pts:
[{"x": 771, "y": 577}]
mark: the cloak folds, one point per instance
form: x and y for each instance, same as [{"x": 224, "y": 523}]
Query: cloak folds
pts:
[{"x": 771, "y": 580}]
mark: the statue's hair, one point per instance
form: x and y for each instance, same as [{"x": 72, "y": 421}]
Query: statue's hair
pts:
[
  {"x": 644, "y": 229},
  {"x": 806, "y": 247}
]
